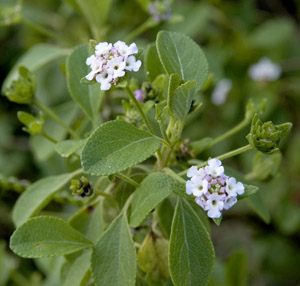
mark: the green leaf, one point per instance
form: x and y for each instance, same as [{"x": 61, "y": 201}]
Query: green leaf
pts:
[
  {"x": 154, "y": 189},
  {"x": 66, "y": 148},
  {"x": 180, "y": 55},
  {"x": 89, "y": 97},
  {"x": 152, "y": 63},
  {"x": 37, "y": 196},
  {"x": 236, "y": 269},
  {"x": 78, "y": 270},
  {"x": 89, "y": 221},
  {"x": 37, "y": 57},
  {"x": 46, "y": 236},
  {"x": 191, "y": 253},
  {"x": 95, "y": 13},
  {"x": 116, "y": 146},
  {"x": 250, "y": 190},
  {"x": 181, "y": 100},
  {"x": 114, "y": 257},
  {"x": 165, "y": 212},
  {"x": 258, "y": 206}
]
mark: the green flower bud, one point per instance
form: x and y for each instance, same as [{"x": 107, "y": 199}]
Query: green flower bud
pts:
[
  {"x": 33, "y": 125},
  {"x": 22, "y": 89},
  {"x": 265, "y": 137},
  {"x": 153, "y": 257},
  {"x": 82, "y": 187}
]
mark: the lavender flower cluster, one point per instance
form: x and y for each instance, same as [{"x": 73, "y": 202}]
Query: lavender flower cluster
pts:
[
  {"x": 110, "y": 62},
  {"x": 214, "y": 191}
]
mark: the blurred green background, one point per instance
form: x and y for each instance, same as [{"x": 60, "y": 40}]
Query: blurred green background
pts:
[{"x": 234, "y": 35}]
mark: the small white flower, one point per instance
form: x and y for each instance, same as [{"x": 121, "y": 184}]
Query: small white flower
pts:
[
  {"x": 132, "y": 64},
  {"x": 197, "y": 187},
  {"x": 214, "y": 168},
  {"x": 124, "y": 50},
  {"x": 221, "y": 91},
  {"x": 230, "y": 201},
  {"x": 233, "y": 188},
  {"x": 201, "y": 201},
  {"x": 215, "y": 206},
  {"x": 193, "y": 171},
  {"x": 102, "y": 48},
  {"x": 96, "y": 66},
  {"x": 104, "y": 78},
  {"x": 265, "y": 70},
  {"x": 116, "y": 66}
]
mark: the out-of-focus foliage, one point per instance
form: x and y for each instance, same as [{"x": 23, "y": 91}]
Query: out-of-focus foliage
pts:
[{"x": 235, "y": 35}]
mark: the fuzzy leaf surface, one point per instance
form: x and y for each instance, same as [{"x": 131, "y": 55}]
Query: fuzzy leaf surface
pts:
[
  {"x": 114, "y": 256},
  {"x": 116, "y": 146},
  {"x": 181, "y": 100},
  {"x": 191, "y": 253},
  {"x": 37, "y": 196},
  {"x": 46, "y": 236},
  {"x": 78, "y": 270},
  {"x": 179, "y": 54},
  {"x": 154, "y": 189}
]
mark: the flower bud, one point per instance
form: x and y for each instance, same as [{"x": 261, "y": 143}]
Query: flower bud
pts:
[
  {"x": 265, "y": 137},
  {"x": 82, "y": 187},
  {"x": 22, "y": 89},
  {"x": 153, "y": 257},
  {"x": 33, "y": 125}
]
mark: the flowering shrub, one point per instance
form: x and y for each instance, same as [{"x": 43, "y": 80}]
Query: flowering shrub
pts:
[{"x": 130, "y": 184}]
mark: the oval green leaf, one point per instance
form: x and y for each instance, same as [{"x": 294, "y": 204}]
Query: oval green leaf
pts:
[
  {"x": 180, "y": 55},
  {"x": 191, "y": 253},
  {"x": 88, "y": 96},
  {"x": 38, "y": 196},
  {"x": 114, "y": 257},
  {"x": 154, "y": 189},
  {"x": 116, "y": 146},
  {"x": 47, "y": 236},
  {"x": 78, "y": 270},
  {"x": 66, "y": 148}
]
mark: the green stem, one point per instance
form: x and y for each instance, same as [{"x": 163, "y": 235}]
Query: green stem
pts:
[
  {"x": 172, "y": 174},
  {"x": 43, "y": 31},
  {"x": 230, "y": 132},
  {"x": 105, "y": 195},
  {"x": 49, "y": 137},
  {"x": 140, "y": 30},
  {"x": 137, "y": 105},
  {"x": 127, "y": 179},
  {"x": 55, "y": 117},
  {"x": 222, "y": 157}
]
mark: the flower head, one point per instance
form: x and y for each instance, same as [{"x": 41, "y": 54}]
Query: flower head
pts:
[
  {"x": 214, "y": 191},
  {"x": 110, "y": 62},
  {"x": 265, "y": 70}
]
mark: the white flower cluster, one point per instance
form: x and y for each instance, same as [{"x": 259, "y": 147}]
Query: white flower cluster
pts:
[
  {"x": 265, "y": 70},
  {"x": 214, "y": 191},
  {"x": 110, "y": 62}
]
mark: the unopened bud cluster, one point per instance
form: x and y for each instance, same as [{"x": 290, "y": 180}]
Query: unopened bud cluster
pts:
[
  {"x": 110, "y": 62},
  {"x": 214, "y": 191}
]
